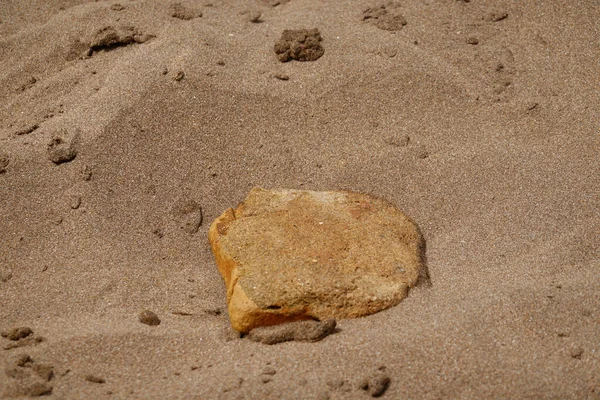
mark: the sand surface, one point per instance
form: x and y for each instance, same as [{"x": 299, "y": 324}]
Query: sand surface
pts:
[{"x": 492, "y": 148}]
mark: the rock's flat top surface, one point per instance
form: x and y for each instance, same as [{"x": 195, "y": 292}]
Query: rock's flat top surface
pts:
[{"x": 290, "y": 255}]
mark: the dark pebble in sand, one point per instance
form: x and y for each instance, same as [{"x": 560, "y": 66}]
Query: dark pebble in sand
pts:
[
  {"x": 497, "y": 16},
  {"x": 181, "y": 12},
  {"x": 94, "y": 379},
  {"x": 17, "y": 333},
  {"x": 5, "y": 275},
  {"x": 301, "y": 331},
  {"x": 269, "y": 371},
  {"x": 472, "y": 40},
  {"x": 300, "y": 45},
  {"x": 254, "y": 16},
  {"x": 149, "y": 318},
  {"x": 63, "y": 147},
  {"x": 398, "y": 140},
  {"x": 23, "y": 360},
  {"x": 377, "y": 383},
  {"x": 282, "y": 77},
  {"x": 576, "y": 352},
  {"x": 180, "y": 75},
  {"x": 4, "y": 161},
  {"x": 75, "y": 202},
  {"x": 27, "y": 130},
  {"x": 86, "y": 172}
]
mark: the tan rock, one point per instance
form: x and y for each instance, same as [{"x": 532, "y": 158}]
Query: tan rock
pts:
[{"x": 289, "y": 255}]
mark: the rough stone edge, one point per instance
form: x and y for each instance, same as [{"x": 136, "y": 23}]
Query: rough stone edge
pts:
[{"x": 253, "y": 316}]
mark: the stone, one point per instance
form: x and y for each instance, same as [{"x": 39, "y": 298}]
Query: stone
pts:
[
  {"x": 377, "y": 383},
  {"x": 94, "y": 379},
  {"x": 63, "y": 147},
  {"x": 385, "y": 16},
  {"x": 5, "y": 275},
  {"x": 4, "y": 161},
  {"x": 299, "y": 45},
  {"x": 289, "y": 255},
  {"x": 300, "y": 331},
  {"x": 17, "y": 333},
  {"x": 149, "y": 318},
  {"x": 111, "y": 37},
  {"x": 180, "y": 11}
]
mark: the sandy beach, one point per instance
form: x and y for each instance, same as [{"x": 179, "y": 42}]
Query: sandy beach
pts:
[{"x": 478, "y": 119}]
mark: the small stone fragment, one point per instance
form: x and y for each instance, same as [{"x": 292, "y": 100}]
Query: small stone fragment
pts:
[
  {"x": 149, "y": 318},
  {"x": 180, "y": 75},
  {"x": 282, "y": 77},
  {"x": 422, "y": 153},
  {"x": 181, "y": 12},
  {"x": 94, "y": 379},
  {"x": 398, "y": 140},
  {"x": 5, "y": 275},
  {"x": 385, "y": 16},
  {"x": 23, "y": 360},
  {"x": 335, "y": 383},
  {"x": 28, "y": 341},
  {"x": 27, "y": 130},
  {"x": 17, "y": 333},
  {"x": 301, "y": 331},
  {"x": 376, "y": 384},
  {"x": 299, "y": 45},
  {"x": 254, "y": 16},
  {"x": 472, "y": 40},
  {"x": 117, "y": 7},
  {"x": 188, "y": 215},
  {"x": 576, "y": 352},
  {"x": 4, "y": 161},
  {"x": 86, "y": 173},
  {"x": 63, "y": 147},
  {"x": 497, "y": 16},
  {"x": 75, "y": 202},
  {"x": 111, "y": 37}
]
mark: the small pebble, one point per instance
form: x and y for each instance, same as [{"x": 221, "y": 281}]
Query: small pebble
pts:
[
  {"x": 377, "y": 383},
  {"x": 282, "y": 77},
  {"x": 87, "y": 173},
  {"x": 5, "y": 275},
  {"x": 576, "y": 352},
  {"x": 254, "y": 16},
  {"x": 472, "y": 40},
  {"x": 149, "y": 318},
  {"x": 179, "y": 76},
  {"x": 17, "y": 333},
  {"x": 300, "y": 331},
  {"x": 4, "y": 161},
  {"x": 23, "y": 360},
  {"x": 497, "y": 16},
  {"x": 75, "y": 202},
  {"x": 94, "y": 379}
]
